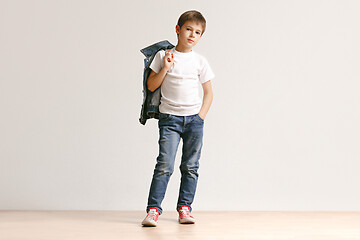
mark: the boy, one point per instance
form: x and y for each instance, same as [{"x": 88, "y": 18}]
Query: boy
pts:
[{"x": 182, "y": 112}]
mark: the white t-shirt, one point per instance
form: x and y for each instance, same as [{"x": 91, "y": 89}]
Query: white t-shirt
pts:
[{"x": 180, "y": 90}]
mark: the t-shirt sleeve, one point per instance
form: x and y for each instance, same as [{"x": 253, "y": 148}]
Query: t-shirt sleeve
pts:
[
  {"x": 206, "y": 73},
  {"x": 157, "y": 64}
]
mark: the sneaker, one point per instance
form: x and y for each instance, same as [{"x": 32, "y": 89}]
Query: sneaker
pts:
[
  {"x": 151, "y": 218},
  {"x": 184, "y": 215}
]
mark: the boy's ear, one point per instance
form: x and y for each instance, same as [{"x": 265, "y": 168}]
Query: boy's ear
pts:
[{"x": 177, "y": 29}]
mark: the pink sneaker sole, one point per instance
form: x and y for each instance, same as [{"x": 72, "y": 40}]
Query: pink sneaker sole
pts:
[
  {"x": 187, "y": 220},
  {"x": 149, "y": 223}
]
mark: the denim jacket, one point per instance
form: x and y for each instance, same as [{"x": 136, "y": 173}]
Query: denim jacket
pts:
[{"x": 151, "y": 100}]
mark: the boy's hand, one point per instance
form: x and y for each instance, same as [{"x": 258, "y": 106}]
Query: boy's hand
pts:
[
  {"x": 168, "y": 60},
  {"x": 201, "y": 115}
]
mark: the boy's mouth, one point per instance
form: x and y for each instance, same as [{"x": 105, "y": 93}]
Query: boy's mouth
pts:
[{"x": 190, "y": 40}]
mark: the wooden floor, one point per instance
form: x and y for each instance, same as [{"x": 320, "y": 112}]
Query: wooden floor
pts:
[{"x": 123, "y": 225}]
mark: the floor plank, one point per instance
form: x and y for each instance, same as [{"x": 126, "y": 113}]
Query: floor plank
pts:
[{"x": 109, "y": 225}]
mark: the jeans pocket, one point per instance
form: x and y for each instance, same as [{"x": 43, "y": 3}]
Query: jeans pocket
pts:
[
  {"x": 202, "y": 120},
  {"x": 164, "y": 116}
]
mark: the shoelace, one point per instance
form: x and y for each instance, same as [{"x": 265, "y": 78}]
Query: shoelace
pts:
[
  {"x": 184, "y": 213},
  {"x": 152, "y": 215}
]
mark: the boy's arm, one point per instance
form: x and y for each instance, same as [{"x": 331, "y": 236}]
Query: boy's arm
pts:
[
  {"x": 155, "y": 79},
  {"x": 207, "y": 99}
]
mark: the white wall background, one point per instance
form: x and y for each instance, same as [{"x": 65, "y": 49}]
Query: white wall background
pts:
[{"x": 282, "y": 134}]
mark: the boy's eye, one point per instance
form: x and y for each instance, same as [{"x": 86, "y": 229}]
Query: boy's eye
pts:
[{"x": 198, "y": 33}]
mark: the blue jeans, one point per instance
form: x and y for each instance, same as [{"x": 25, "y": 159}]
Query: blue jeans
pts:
[{"x": 171, "y": 129}]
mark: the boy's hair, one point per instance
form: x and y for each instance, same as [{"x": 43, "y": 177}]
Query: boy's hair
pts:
[{"x": 192, "y": 15}]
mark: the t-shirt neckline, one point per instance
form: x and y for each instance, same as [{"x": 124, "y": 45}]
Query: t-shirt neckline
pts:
[{"x": 183, "y": 53}]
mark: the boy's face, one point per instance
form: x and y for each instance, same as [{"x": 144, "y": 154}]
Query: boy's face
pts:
[{"x": 189, "y": 34}]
